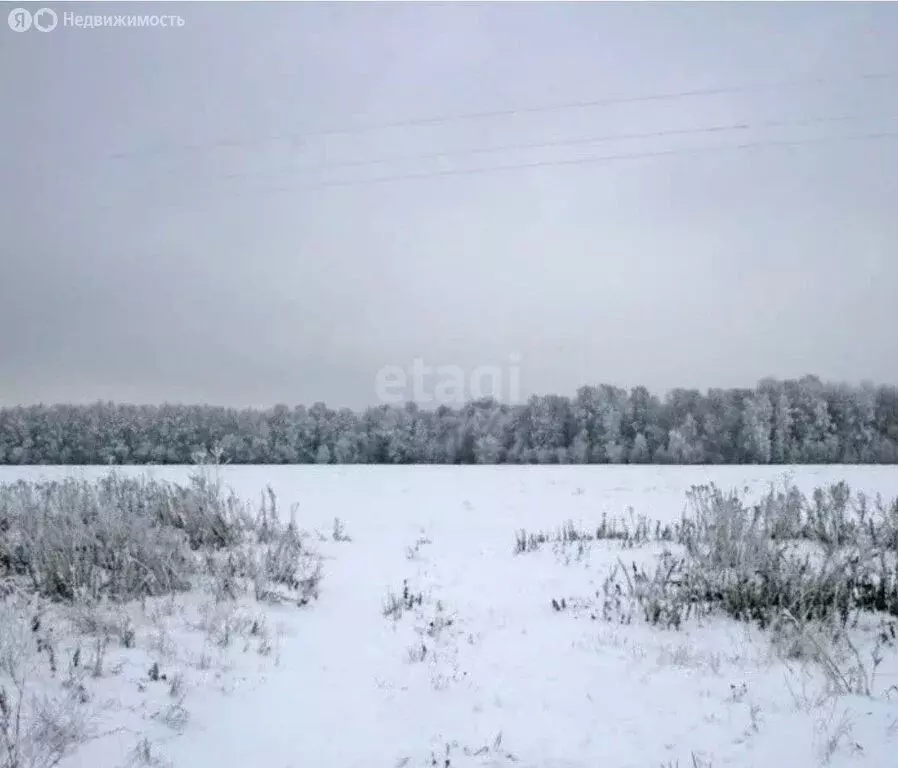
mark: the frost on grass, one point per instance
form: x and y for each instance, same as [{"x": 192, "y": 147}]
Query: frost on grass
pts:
[
  {"x": 96, "y": 577},
  {"x": 811, "y": 571},
  {"x": 630, "y": 531},
  {"x": 39, "y": 725}
]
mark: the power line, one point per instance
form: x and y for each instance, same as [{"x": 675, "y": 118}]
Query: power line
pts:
[
  {"x": 592, "y": 160},
  {"x": 599, "y": 159},
  {"x": 726, "y": 128},
  {"x": 509, "y": 112}
]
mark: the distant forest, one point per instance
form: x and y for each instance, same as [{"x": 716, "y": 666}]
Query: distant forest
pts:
[{"x": 778, "y": 422}]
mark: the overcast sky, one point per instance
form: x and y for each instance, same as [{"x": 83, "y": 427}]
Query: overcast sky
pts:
[{"x": 168, "y": 233}]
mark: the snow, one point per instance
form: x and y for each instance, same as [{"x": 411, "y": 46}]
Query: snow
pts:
[{"x": 504, "y": 679}]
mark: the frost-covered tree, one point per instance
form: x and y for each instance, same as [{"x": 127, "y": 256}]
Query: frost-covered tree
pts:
[
  {"x": 344, "y": 450},
  {"x": 579, "y": 451},
  {"x": 640, "y": 452},
  {"x": 323, "y": 456},
  {"x": 643, "y": 411},
  {"x": 487, "y": 449},
  {"x": 683, "y": 444},
  {"x": 757, "y": 418},
  {"x": 782, "y": 447},
  {"x": 610, "y": 414},
  {"x": 680, "y": 418},
  {"x": 789, "y": 421}
]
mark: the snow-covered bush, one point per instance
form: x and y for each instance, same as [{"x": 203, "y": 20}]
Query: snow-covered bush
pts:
[
  {"x": 824, "y": 559},
  {"x": 122, "y": 539},
  {"x": 788, "y": 558},
  {"x": 83, "y": 556}
]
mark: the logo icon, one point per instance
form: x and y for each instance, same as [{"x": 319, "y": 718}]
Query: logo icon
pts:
[
  {"x": 19, "y": 20},
  {"x": 45, "y": 20}
]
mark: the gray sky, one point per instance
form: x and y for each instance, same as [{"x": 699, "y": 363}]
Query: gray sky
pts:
[{"x": 158, "y": 242}]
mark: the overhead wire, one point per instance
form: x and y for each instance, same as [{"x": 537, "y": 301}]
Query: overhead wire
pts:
[
  {"x": 296, "y": 136},
  {"x": 538, "y": 164},
  {"x": 744, "y": 125}
]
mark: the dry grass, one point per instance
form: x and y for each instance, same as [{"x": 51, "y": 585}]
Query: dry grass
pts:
[{"x": 90, "y": 552}]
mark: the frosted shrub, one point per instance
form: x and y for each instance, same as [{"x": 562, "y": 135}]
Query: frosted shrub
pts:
[
  {"x": 284, "y": 570},
  {"x": 122, "y": 539},
  {"x": 823, "y": 560},
  {"x": 96, "y": 545},
  {"x": 816, "y": 560},
  {"x": 77, "y": 539}
]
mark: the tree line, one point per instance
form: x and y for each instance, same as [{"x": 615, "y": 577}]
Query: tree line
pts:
[{"x": 803, "y": 421}]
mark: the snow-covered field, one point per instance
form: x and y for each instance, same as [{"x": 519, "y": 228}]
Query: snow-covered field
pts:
[{"x": 480, "y": 670}]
